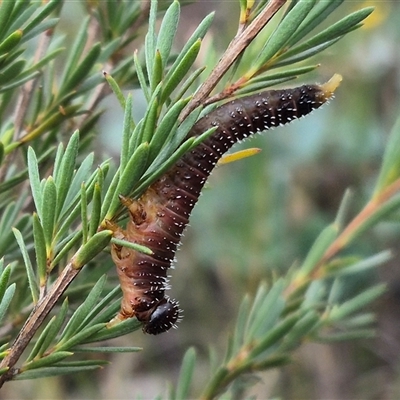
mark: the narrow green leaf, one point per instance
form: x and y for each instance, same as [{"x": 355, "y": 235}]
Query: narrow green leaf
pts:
[
  {"x": 64, "y": 248},
  {"x": 157, "y": 71},
  {"x": 116, "y": 89},
  {"x": 10, "y": 42},
  {"x": 129, "y": 178},
  {"x": 34, "y": 180},
  {"x": 356, "y": 303},
  {"x": 83, "y": 174},
  {"x": 48, "y": 24},
  {"x": 275, "y": 361},
  {"x": 356, "y": 321},
  {"x": 167, "y": 31},
  {"x": 240, "y": 325},
  {"x": 121, "y": 329},
  {"x": 150, "y": 121},
  {"x": 134, "y": 169},
  {"x": 92, "y": 248},
  {"x": 6, "y": 300},
  {"x": 150, "y": 40},
  {"x": 361, "y": 266},
  {"x": 1, "y": 153},
  {"x": 196, "y": 36},
  {"x": 109, "y": 197},
  {"x": 175, "y": 76},
  {"x": 275, "y": 334},
  {"x": 75, "y": 323},
  {"x": 46, "y": 361},
  {"x": 40, "y": 249},
  {"x": 390, "y": 169},
  {"x": 333, "y": 32},
  {"x": 79, "y": 337},
  {"x": 84, "y": 213},
  {"x": 44, "y": 12},
  {"x": 346, "y": 336},
  {"x": 13, "y": 71},
  {"x": 52, "y": 121},
  {"x": 141, "y": 77},
  {"x": 324, "y": 240},
  {"x": 66, "y": 171},
  {"x": 165, "y": 128},
  {"x": 126, "y": 132},
  {"x": 287, "y": 73},
  {"x": 186, "y": 374},
  {"x": 96, "y": 210},
  {"x": 302, "y": 55},
  {"x": 318, "y": 14},
  {"x": 53, "y": 371},
  {"x": 81, "y": 71},
  {"x": 133, "y": 246},
  {"x": 151, "y": 177},
  {"x": 76, "y": 50},
  {"x": 4, "y": 276},
  {"x": 107, "y": 349},
  {"x": 6, "y": 8},
  {"x": 105, "y": 309},
  {"x": 33, "y": 284},
  {"x": 300, "y": 330},
  {"x": 184, "y": 87},
  {"x": 49, "y": 210},
  {"x": 266, "y": 310},
  {"x": 283, "y": 33}
]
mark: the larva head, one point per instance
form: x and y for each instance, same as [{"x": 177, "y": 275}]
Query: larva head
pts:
[{"x": 163, "y": 318}]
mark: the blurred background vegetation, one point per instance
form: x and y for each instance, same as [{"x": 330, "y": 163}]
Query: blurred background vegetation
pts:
[{"x": 257, "y": 217}]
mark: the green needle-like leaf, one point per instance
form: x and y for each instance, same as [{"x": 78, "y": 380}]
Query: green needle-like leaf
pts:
[
  {"x": 167, "y": 31},
  {"x": 176, "y": 73},
  {"x": 283, "y": 32},
  {"x": 129, "y": 178},
  {"x": 390, "y": 170},
  {"x": 40, "y": 249},
  {"x": 91, "y": 248},
  {"x": 75, "y": 322},
  {"x": 6, "y": 300},
  {"x": 4, "y": 277},
  {"x": 357, "y": 302},
  {"x": 33, "y": 284},
  {"x": 49, "y": 210},
  {"x": 186, "y": 374},
  {"x": 46, "y": 361},
  {"x": 65, "y": 172},
  {"x": 324, "y": 240},
  {"x": 10, "y": 42},
  {"x": 34, "y": 180}
]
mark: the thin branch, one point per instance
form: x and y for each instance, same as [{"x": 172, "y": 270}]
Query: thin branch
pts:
[
  {"x": 34, "y": 321},
  {"x": 235, "y": 48}
]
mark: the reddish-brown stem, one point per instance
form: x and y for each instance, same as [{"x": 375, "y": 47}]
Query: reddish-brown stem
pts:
[
  {"x": 344, "y": 238},
  {"x": 34, "y": 321}
]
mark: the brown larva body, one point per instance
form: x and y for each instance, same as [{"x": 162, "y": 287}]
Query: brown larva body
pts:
[{"x": 159, "y": 217}]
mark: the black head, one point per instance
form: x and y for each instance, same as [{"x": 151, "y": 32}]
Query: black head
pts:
[{"x": 163, "y": 318}]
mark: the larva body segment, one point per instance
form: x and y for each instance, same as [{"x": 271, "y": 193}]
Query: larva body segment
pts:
[{"x": 159, "y": 217}]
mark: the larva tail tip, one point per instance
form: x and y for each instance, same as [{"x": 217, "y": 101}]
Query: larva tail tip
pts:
[{"x": 329, "y": 87}]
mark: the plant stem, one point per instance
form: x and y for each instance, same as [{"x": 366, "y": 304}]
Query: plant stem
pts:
[{"x": 34, "y": 321}]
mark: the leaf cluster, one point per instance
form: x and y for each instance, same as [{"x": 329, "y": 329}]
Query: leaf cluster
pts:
[{"x": 58, "y": 209}]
